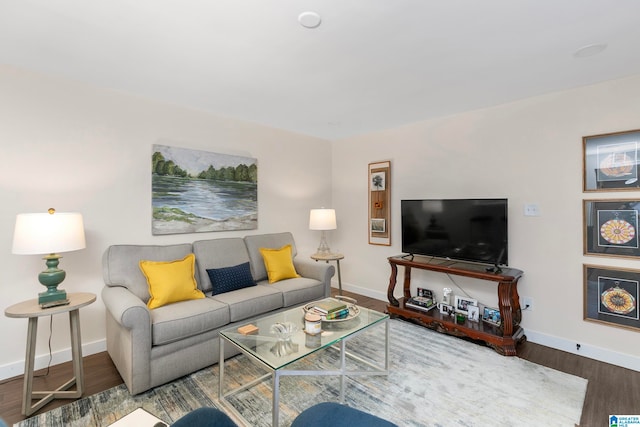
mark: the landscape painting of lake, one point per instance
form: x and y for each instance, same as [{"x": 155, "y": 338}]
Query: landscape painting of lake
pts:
[{"x": 197, "y": 191}]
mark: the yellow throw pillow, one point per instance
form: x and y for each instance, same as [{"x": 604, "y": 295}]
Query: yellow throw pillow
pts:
[
  {"x": 171, "y": 281},
  {"x": 279, "y": 263}
]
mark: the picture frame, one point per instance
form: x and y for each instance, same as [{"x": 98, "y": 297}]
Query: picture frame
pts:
[
  {"x": 422, "y": 292},
  {"x": 610, "y": 227},
  {"x": 378, "y": 225},
  {"x": 179, "y": 177},
  {"x": 473, "y": 313},
  {"x": 491, "y": 316},
  {"x": 379, "y": 189},
  {"x": 445, "y": 309},
  {"x": 611, "y": 296},
  {"x": 610, "y": 161},
  {"x": 461, "y": 304}
]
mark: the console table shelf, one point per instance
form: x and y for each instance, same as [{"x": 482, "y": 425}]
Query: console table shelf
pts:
[{"x": 503, "y": 338}]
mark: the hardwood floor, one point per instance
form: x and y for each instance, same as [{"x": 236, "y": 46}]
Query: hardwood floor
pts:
[{"x": 611, "y": 389}]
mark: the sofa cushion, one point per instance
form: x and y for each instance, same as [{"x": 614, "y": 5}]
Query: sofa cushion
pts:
[
  {"x": 228, "y": 279},
  {"x": 120, "y": 264},
  {"x": 274, "y": 240},
  {"x": 218, "y": 253},
  {"x": 249, "y": 302},
  {"x": 299, "y": 290},
  {"x": 279, "y": 263},
  {"x": 171, "y": 281},
  {"x": 184, "y": 319}
]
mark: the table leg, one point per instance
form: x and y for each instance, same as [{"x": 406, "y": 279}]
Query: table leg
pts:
[
  {"x": 275, "y": 411},
  {"x": 221, "y": 370},
  {"x": 343, "y": 367},
  {"x": 387, "y": 350},
  {"x": 339, "y": 278},
  {"x": 29, "y": 363},
  {"x": 76, "y": 351},
  {"x": 62, "y": 392}
]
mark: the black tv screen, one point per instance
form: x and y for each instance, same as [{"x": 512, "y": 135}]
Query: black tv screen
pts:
[{"x": 459, "y": 229}]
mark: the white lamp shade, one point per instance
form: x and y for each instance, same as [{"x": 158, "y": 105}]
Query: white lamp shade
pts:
[
  {"x": 322, "y": 219},
  {"x": 45, "y": 233}
]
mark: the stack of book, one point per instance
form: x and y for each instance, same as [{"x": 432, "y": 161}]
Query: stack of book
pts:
[
  {"x": 331, "y": 309},
  {"x": 421, "y": 303}
]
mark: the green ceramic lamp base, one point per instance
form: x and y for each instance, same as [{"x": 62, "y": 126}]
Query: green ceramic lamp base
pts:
[{"x": 51, "y": 278}]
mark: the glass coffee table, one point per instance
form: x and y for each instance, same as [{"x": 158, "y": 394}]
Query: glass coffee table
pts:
[{"x": 280, "y": 340}]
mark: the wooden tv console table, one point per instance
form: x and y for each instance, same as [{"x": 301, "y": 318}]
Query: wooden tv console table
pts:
[{"x": 502, "y": 338}]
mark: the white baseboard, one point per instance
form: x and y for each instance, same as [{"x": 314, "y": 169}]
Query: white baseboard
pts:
[
  {"x": 382, "y": 296},
  {"x": 17, "y": 368},
  {"x": 592, "y": 352}
]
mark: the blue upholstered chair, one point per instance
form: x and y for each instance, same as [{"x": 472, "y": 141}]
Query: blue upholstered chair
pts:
[
  {"x": 320, "y": 415},
  {"x": 337, "y": 415}
]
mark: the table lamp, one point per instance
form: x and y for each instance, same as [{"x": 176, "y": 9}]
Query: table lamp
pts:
[
  {"x": 49, "y": 233},
  {"x": 323, "y": 220}
]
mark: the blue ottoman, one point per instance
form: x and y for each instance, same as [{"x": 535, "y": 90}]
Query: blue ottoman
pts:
[
  {"x": 320, "y": 415},
  {"x": 337, "y": 415}
]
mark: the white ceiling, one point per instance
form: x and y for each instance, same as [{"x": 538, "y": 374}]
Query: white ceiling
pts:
[{"x": 370, "y": 65}]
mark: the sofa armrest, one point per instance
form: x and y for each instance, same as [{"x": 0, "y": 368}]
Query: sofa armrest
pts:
[
  {"x": 128, "y": 325},
  {"x": 126, "y": 308},
  {"x": 321, "y": 271}
]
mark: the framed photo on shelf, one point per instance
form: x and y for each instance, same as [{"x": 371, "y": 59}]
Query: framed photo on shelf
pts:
[
  {"x": 445, "y": 308},
  {"x": 462, "y": 304},
  {"x": 611, "y": 296},
  {"x": 473, "y": 313},
  {"x": 610, "y": 161},
  {"x": 610, "y": 227},
  {"x": 427, "y": 293},
  {"x": 491, "y": 316}
]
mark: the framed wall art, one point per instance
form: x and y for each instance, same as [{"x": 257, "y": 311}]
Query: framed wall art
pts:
[
  {"x": 611, "y": 227},
  {"x": 611, "y": 296},
  {"x": 380, "y": 203},
  {"x": 611, "y": 161},
  {"x": 197, "y": 191}
]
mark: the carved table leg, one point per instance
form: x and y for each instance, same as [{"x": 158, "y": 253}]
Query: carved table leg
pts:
[
  {"x": 392, "y": 285},
  {"x": 407, "y": 283}
]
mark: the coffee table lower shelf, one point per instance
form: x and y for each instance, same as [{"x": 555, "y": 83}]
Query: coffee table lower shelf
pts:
[{"x": 275, "y": 374}]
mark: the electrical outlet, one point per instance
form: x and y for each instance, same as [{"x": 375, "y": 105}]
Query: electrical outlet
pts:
[
  {"x": 527, "y": 303},
  {"x": 531, "y": 209}
]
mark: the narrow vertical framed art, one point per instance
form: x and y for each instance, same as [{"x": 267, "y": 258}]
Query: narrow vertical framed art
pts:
[{"x": 380, "y": 203}]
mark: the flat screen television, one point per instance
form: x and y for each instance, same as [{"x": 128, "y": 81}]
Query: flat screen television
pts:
[{"x": 459, "y": 229}]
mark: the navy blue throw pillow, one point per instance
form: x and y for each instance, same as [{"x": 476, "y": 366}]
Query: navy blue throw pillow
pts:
[{"x": 228, "y": 279}]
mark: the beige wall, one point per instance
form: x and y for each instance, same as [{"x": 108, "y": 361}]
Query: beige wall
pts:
[
  {"x": 77, "y": 148},
  {"x": 528, "y": 151}
]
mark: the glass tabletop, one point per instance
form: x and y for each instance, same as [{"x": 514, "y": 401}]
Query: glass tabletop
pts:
[{"x": 270, "y": 345}]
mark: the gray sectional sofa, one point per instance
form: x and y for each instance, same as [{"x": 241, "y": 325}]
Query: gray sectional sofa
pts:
[{"x": 153, "y": 347}]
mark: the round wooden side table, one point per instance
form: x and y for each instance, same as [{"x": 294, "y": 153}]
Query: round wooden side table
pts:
[
  {"x": 331, "y": 257},
  {"x": 31, "y": 310}
]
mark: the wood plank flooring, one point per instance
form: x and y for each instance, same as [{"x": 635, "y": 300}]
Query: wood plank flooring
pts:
[{"x": 611, "y": 390}]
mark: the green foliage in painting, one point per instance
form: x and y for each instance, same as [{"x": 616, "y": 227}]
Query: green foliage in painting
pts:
[{"x": 240, "y": 173}]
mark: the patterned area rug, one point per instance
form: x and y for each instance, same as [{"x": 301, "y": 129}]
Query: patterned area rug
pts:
[{"x": 435, "y": 380}]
